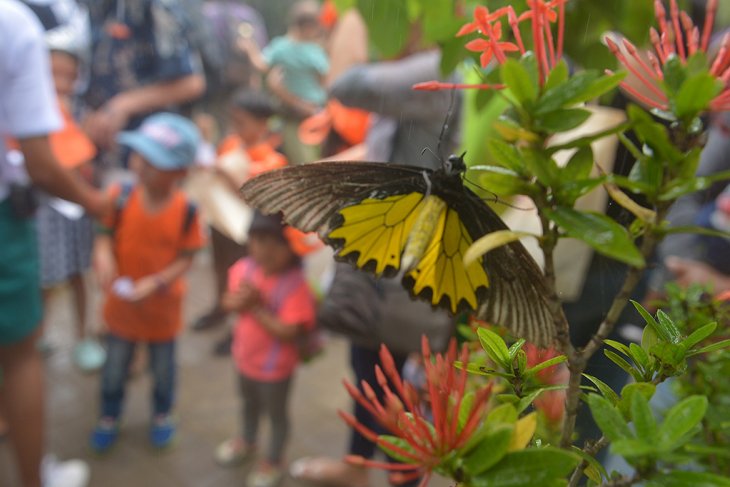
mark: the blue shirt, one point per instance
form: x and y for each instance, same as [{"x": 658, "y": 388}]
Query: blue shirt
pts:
[
  {"x": 136, "y": 43},
  {"x": 303, "y": 64}
]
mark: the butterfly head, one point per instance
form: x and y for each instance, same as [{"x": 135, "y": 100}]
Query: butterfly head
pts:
[{"x": 455, "y": 164}]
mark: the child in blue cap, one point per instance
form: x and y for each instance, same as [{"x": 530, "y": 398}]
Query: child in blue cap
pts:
[{"x": 141, "y": 252}]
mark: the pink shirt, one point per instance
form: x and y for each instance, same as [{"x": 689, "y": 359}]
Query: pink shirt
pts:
[{"x": 256, "y": 352}]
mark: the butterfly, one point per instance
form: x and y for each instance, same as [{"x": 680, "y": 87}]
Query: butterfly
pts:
[{"x": 393, "y": 219}]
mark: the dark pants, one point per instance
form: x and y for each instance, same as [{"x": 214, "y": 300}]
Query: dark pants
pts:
[
  {"x": 363, "y": 362},
  {"x": 116, "y": 371},
  {"x": 270, "y": 398}
]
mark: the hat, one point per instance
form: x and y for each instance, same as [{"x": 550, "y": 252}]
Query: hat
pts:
[{"x": 167, "y": 141}]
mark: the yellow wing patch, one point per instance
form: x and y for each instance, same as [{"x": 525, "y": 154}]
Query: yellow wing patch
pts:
[
  {"x": 378, "y": 229},
  {"x": 442, "y": 266}
]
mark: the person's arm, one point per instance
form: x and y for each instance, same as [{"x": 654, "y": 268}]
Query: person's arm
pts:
[
  {"x": 275, "y": 83},
  {"x": 688, "y": 272},
  {"x": 252, "y": 50},
  {"x": 46, "y": 173},
  {"x": 159, "y": 281},
  {"x": 103, "y": 262},
  {"x": 386, "y": 88},
  {"x": 104, "y": 124}
]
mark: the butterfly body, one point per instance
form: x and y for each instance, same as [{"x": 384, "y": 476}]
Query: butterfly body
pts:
[{"x": 392, "y": 219}]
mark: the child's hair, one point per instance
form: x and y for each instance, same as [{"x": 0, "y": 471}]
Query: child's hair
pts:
[
  {"x": 304, "y": 13},
  {"x": 273, "y": 225},
  {"x": 257, "y": 103}
]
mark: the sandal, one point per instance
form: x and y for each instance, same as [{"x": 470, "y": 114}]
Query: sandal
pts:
[{"x": 328, "y": 472}]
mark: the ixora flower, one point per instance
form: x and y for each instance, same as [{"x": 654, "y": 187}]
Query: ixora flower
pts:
[
  {"x": 677, "y": 39},
  {"x": 421, "y": 444},
  {"x": 491, "y": 46}
]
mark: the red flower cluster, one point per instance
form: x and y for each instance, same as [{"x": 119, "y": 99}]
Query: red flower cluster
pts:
[
  {"x": 551, "y": 403},
  {"x": 677, "y": 36},
  {"x": 402, "y": 413}
]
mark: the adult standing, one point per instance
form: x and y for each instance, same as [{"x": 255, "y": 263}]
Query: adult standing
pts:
[
  {"x": 142, "y": 61},
  {"x": 28, "y": 113}
]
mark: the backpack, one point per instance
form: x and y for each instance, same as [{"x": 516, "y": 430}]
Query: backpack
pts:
[{"x": 121, "y": 202}]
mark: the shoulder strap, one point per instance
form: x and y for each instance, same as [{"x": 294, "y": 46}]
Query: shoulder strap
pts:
[
  {"x": 190, "y": 210},
  {"x": 121, "y": 202}
]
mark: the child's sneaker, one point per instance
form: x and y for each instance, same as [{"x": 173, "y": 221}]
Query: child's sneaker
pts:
[
  {"x": 233, "y": 452},
  {"x": 162, "y": 432},
  {"x": 265, "y": 475},
  {"x": 104, "y": 435}
]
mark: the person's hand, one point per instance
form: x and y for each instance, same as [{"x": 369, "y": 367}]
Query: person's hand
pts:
[
  {"x": 145, "y": 287},
  {"x": 104, "y": 124},
  {"x": 99, "y": 204},
  {"x": 244, "y": 299},
  {"x": 247, "y": 45},
  {"x": 688, "y": 272},
  {"x": 275, "y": 83},
  {"x": 105, "y": 268}
]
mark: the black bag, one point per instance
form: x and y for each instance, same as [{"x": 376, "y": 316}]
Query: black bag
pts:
[
  {"x": 372, "y": 311},
  {"x": 24, "y": 200}
]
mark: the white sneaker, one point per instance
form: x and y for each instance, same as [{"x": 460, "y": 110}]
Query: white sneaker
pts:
[{"x": 71, "y": 473}]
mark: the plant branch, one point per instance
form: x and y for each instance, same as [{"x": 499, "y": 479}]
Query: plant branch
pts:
[{"x": 590, "y": 449}]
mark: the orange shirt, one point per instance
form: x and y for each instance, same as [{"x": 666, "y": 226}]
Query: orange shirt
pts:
[
  {"x": 263, "y": 156},
  {"x": 146, "y": 243}
]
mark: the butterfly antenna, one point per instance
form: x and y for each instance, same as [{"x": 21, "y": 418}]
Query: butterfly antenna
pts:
[
  {"x": 445, "y": 125},
  {"x": 496, "y": 198}
]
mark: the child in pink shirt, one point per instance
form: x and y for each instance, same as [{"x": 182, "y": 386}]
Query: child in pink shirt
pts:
[{"x": 275, "y": 307}]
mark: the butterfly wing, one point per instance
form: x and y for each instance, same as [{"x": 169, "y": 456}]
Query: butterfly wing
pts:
[{"x": 517, "y": 293}]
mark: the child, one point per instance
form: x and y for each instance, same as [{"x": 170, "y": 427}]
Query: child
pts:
[
  {"x": 275, "y": 306},
  {"x": 249, "y": 120},
  {"x": 65, "y": 233},
  {"x": 303, "y": 65},
  {"x": 140, "y": 256}
]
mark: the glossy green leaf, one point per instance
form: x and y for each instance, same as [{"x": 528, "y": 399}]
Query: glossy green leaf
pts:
[
  {"x": 621, "y": 362},
  {"x": 681, "y": 419},
  {"x": 544, "y": 365},
  {"x": 559, "y": 74},
  {"x": 639, "y": 356},
  {"x": 563, "y": 94},
  {"x": 711, "y": 348},
  {"x": 651, "y": 321},
  {"x": 643, "y": 419},
  {"x": 495, "y": 347},
  {"x": 392, "y": 29},
  {"x": 580, "y": 164},
  {"x": 594, "y": 471},
  {"x": 517, "y": 79},
  {"x": 644, "y": 389},
  {"x": 674, "y": 73},
  {"x": 608, "y": 418},
  {"x": 543, "y": 168},
  {"x": 562, "y": 120},
  {"x": 527, "y": 400},
  {"x": 600, "y": 232},
  {"x": 506, "y": 155},
  {"x": 618, "y": 346},
  {"x": 666, "y": 323},
  {"x": 695, "y": 95},
  {"x": 489, "y": 451},
  {"x": 531, "y": 467},
  {"x": 633, "y": 447},
  {"x": 649, "y": 338},
  {"x": 399, "y": 443},
  {"x": 504, "y": 184},
  {"x": 700, "y": 334},
  {"x": 604, "y": 389},
  {"x": 709, "y": 232},
  {"x": 516, "y": 347},
  {"x": 467, "y": 403}
]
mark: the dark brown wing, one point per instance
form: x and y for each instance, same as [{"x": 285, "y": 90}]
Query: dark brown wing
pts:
[
  {"x": 517, "y": 294},
  {"x": 310, "y": 195}
]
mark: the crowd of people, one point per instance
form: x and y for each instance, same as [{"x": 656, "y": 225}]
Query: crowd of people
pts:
[{"x": 109, "y": 110}]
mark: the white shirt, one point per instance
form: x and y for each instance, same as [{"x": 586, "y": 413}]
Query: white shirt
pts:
[{"x": 28, "y": 105}]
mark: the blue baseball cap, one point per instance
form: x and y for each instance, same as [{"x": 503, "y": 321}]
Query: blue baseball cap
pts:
[{"x": 167, "y": 141}]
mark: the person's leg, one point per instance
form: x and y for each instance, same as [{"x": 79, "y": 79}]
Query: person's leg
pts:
[
  {"x": 162, "y": 366},
  {"x": 23, "y": 395},
  {"x": 251, "y": 409},
  {"x": 275, "y": 401},
  {"x": 78, "y": 289},
  {"x": 114, "y": 375}
]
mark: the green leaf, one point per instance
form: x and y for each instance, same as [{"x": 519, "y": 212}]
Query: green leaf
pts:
[
  {"x": 699, "y": 334},
  {"x": 506, "y": 155},
  {"x": 594, "y": 471},
  {"x": 505, "y": 413},
  {"x": 495, "y": 347},
  {"x": 489, "y": 451},
  {"x": 651, "y": 321},
  {"x": 695, "y": 95},
  {"x": 679, "y": 478},
  {"x": 562, "y": 120},
  {"x": 600, "y": 232},
  {"x": 399, "y": 443},
  {"x": 649, "y": 338},
  {"x": 543, "y": 168},
  {"x": 640, "y": 357},
  {"x": 711, "y": 348},
  {"x": 580, "y": 164},
  {"x": 504, "y": 184},
  {"x": 608, "y": 418},
  {"x": 618, "y": 346},
  {"x": 392, "y": 28},
  {"x": 525, "y": 402},
  {"x": 558, "y": 75},
  {"x": 644, "y": 423},
  {"x": 492, "y": 241},
  {"x": 517, "y": 79},
  {"x": 633, "y": 447},
  {"x": 668, "y": 325},
  {"x": 674, "y": 73},
  {"x": 604, "y": 388},
  {"x": 588, "y": 139},
  {"x": 644, "y": 389},
  {"x": 581, "y": 87},
  {"x": 709, "y": 232},
  {"x": 621, "y": 362},
  {"x": 529, "y": 467},
  {"x": 516, "y": 347},
  {"x": 467, "y": 403},
  {"x": 681, "y": 419},
  {"x": 544, "y": 365}
]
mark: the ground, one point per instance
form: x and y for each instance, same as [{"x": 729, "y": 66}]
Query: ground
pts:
[{"x": 207, "y": 411}]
